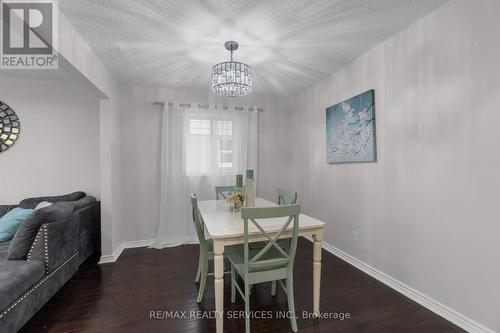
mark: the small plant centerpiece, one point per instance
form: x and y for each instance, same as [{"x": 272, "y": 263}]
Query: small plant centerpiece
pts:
[{"x": 236, "y": 200}]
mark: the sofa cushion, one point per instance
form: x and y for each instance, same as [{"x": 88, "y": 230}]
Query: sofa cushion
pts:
[
  {"x": 4, "y": 209},
  {"x": 82, "y": 203},
  {"x": 43, "y": 204},
  {"x": 10, "y": 222},
  {"x": 21, "y": 243},
  {"x": 4, "y": 249},
  {"x": 16, "y": 277},
  {"x": 33, "y": 202}
]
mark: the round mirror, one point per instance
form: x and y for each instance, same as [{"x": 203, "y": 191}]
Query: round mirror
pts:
[{"x": 10, "y": 127}]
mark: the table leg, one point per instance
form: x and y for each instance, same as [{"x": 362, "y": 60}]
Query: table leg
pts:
[
  {"x": 317, "y": 271},
  {"x": 219, "y": 285}
]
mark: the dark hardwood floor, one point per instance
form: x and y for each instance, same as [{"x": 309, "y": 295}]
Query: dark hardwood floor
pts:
[{"x": 120, "y": 297}]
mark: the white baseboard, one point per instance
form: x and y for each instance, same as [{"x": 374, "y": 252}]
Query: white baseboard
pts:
[
  {"x": 125, "y": 245},
  {"x": 422, "y": 299}
]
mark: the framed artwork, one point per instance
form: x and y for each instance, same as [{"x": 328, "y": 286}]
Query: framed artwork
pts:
[{"x": 350, "y": 130}]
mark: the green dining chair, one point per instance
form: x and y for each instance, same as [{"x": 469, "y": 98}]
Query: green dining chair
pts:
[
  {"x": 286, "y": 197},
  {"x": 271, "y": 263},
  {"x": 206, "y": 249},
  {"x": 221, "y": 191}
]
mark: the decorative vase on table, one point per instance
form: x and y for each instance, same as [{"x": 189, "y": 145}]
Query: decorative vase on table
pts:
[
  {"x": 236, "y": 200},
  {"x": 250, "y": 190},
  {"x": 236, "y": 207}
]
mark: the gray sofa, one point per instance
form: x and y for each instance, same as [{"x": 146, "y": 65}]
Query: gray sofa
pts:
[{"x": 54, "y": 256}]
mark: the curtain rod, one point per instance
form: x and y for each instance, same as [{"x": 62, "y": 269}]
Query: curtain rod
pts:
[{"x": 206, "y": 106}]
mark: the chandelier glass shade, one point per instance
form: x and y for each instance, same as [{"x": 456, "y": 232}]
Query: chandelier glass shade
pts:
[{"x": 231, "y": 78}]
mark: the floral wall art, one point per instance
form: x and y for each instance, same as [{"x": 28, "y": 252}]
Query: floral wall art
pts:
[{"x": 350, "y": 130}]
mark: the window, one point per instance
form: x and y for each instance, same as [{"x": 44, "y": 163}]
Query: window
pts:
[
  {"x": 199, "y": 127},
  {"x": 224, "y": 127},
  {"x": 209, "y": 145},
  {"x": 225, "y": 153}
]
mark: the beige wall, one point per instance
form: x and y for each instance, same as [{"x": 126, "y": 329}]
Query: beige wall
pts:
[
  {"x": 58, "y": 149},
  {"x": 427, "y": 211}
]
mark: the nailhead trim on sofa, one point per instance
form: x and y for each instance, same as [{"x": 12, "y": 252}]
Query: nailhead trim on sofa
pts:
[
  {"x": 35, "y": 287},
  {"x": 43, "y": 230},
  {"x": 37, "y": 237},
  {"x": 46, "y": 248}
]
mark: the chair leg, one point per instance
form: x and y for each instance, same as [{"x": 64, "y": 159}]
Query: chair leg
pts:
[
  {"x": 273, "y": 288},
  {"x": 204, "y": 274},
  {"x": 198, "y": 273},
  {"x": 247, "y": 307},
  {"x": 233, "y": 286},
  {"x": 291, "y": 303}
]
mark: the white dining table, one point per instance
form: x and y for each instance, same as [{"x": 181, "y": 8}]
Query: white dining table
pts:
[{"x": 225, "y": 228}]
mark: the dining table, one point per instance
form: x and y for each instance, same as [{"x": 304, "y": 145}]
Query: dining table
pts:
[{"x": 225, "y": 228}]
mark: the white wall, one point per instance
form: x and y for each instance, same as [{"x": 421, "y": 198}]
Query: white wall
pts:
[
  {"x": 427, "y": 211},
  {"x": 140, "y": 195},
  {"x": 77, "y": 58},
  {"x": 58, "y": 149},
  {"x": 112, "y": 195}
]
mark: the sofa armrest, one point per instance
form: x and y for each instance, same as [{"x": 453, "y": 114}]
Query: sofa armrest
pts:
[
  {"x": 89, "y": 230},
  {"x": 4, "y": 209},
  {"x": 89, "y": 218},
  {"x": 55, "y": 243}
]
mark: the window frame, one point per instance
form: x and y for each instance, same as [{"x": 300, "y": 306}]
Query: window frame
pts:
[{"x": 215, "y": 144}]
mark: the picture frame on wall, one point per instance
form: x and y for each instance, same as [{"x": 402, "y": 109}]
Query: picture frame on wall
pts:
[{"x": 350, "y": 130}]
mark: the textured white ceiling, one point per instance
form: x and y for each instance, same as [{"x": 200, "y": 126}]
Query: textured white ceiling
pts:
[{"x": 290, "y": 44}]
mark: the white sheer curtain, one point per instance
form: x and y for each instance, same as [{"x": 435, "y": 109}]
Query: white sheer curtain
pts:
[{"x": 200, "y": 148}]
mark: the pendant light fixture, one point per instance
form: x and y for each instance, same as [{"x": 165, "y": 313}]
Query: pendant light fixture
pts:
[{"x": 231, "y": 78}]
